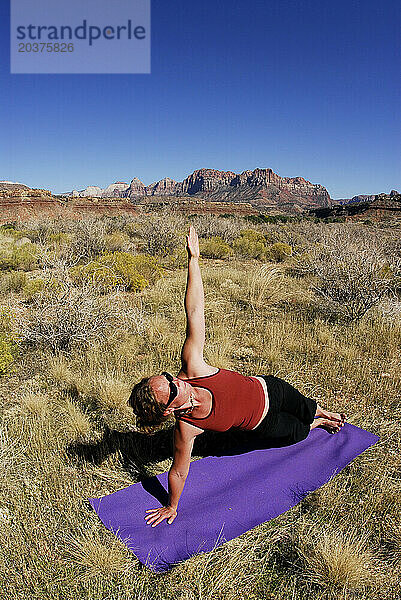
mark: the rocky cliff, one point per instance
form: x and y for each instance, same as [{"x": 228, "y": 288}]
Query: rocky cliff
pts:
[
  {"x": 377, "y": 207},
  {"x": 12, "y": 186},
  {"x": 260, "y": 188},
  {"x": 24, "y": 202},
  {"x": 114, "y": 190},
  {"x": 355, "y": 199},
  {"x": 164, "y": 187}
]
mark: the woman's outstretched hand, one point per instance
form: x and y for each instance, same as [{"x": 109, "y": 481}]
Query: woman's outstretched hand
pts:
[
  {"x": 157, "y": 515},
  {"x": 193, "y": 243}
]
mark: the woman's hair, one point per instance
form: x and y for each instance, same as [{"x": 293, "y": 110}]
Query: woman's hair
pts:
[{"x": 148, "y": 411}]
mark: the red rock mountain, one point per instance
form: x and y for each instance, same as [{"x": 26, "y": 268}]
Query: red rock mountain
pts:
[
  {"x": 260, "y": 187},
  {"x": 204, "y": 190}
]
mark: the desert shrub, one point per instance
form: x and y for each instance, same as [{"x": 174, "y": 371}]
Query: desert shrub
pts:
[
  {"x": 23, "y": 257},
  {"x": 39, "y": 229},
  {"x": 250, "y": 244},
  {"x": 215, "y": 247},
  {"x": 261, "y": 219},
  {"x": 147, "y": 266},
  {"x": 33, "y": 287},
  {"x": 214, "y": 226},
  {"x": 10, "y": 225},
  {"x": 58, "y": 239},
  {"x": 351, "y": 275},
  {"x": 12, "y": 231},
  {"x": 13, "y": 281},
  {"x": 393, "y": 256},
  {"x": 117, "y": 241},
  {"x": 76, "y": 317},
  {"x": 6, "y": 315},
  {"x": 119, "y": 269},
  {"x": 133, "y": 229},
  {"x": 106, "y": 276},
  {"x": 252, "y": 234},
  {"x": 8, "y": 341},
  {"x": 279, "y": 251},
  {"x": 8, "y": 352},
  {"x": 301, "y": 236},
  {"x": 161, "y": 235},
  {"x": 88, "y": 238},
  {"x": 116, "y": 223},
  {"x": 249, "y": 248},
  {"x": 176, "y": 260}
]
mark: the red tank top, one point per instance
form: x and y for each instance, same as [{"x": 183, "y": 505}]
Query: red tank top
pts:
[{"x": 237, "y": 401}]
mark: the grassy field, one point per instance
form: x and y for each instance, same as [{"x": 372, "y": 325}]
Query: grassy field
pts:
[{"x": 81, "y": 321}]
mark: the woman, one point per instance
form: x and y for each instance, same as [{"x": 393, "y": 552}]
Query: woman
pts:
[{"x": 204, "y": 397}]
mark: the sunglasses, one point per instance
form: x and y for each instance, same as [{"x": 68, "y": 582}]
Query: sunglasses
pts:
[{"x": 173, "y": 387}]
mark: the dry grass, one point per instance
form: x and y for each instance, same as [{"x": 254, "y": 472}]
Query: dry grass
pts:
[
  {"x": 76, "y": 424},
  {"x": 94, "y": 559},
  {"x": 336, "y": 560},
  {"x": 33, "y": 403},
  {"x": 66, "y": 434}
]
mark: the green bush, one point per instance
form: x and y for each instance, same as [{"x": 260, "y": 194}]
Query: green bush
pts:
[
  {"x": 13, "y": 281},
  {"x": 279, "y": 252},
  {"x": 271, "y": 219},
  {"x": 215, "y": 247},
  {"x": 5, "y": 318},
  {"x": 8, "y": 352},
  {"x": 10, "y": 229},
  {"x": 117, "y": 241},
  {"x": 33, "y": 287},
  {"x": 23, "y": 258},
  {"x": 58, "y": 239},
  {"x": 5, "y": 226},
  {"x": 147, "y": 266},
  {"x": 177, "y": 260},
  {"x": 119, "y": 269},
  {"x": 250, "y": 244},
  {"x": 253, "y": 235},
  {"x": 8, "y": 342}
]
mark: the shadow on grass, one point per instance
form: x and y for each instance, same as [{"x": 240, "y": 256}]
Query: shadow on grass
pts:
[{"x": 139, "y": 452}]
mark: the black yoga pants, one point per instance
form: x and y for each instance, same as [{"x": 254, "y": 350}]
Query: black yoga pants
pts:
[{"x": 290, "y": 413}]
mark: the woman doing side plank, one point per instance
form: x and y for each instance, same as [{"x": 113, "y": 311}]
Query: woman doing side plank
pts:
[{"x": 203, "y": 397}]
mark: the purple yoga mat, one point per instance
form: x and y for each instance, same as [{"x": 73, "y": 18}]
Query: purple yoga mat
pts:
[{"x": 224, "y": 496}]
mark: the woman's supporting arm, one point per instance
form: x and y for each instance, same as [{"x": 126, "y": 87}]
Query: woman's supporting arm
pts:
[
  {"x": 183, "y": 444},
  {"x": 176, "y": 482}
]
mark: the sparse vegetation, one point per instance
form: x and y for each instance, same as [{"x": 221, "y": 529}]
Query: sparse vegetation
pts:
[
  {"x": 327, "y": 318},
  {"x": 351, "y": 275},
  {"x": 60, "y": 319}
]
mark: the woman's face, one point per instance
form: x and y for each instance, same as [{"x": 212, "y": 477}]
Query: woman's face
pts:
[{"x": 161, "y": 389}]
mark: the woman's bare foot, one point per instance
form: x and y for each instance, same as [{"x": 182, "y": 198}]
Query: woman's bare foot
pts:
[
  {"x": 328, "y": 424},
  {"x": 340, "y": 418}
]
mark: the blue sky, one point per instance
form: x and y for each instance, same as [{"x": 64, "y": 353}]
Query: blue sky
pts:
[{"x": 307, "y": 88}]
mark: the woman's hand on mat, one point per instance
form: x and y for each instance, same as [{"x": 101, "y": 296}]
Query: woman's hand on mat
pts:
[
  {"x": 193, "y": 243},
  {"x": 157, "y": 515}
]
